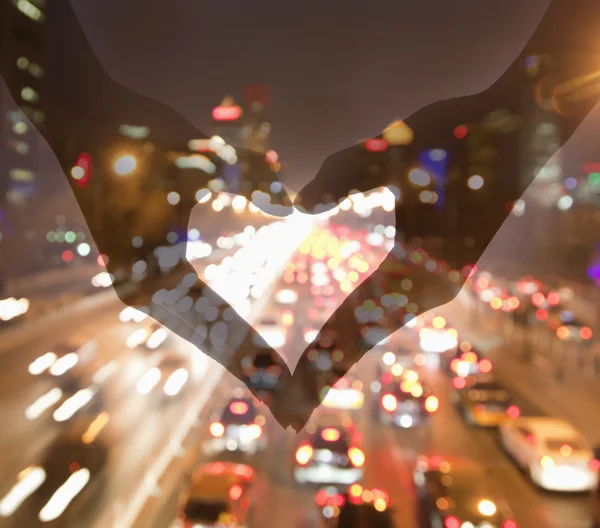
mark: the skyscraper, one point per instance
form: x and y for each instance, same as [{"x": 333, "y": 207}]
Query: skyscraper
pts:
[{"x": 21, "y": 62}]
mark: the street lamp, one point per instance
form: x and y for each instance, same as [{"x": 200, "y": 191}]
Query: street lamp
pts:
[{"x": 125, "y": 165}]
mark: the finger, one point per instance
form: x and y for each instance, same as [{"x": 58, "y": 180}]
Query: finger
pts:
[
  {"x": 354, "y": 168},
  {"x": 427, "y": 291}
]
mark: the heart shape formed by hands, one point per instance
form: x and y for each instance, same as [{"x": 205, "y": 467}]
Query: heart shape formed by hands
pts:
[{"x": 127, "y": 182}]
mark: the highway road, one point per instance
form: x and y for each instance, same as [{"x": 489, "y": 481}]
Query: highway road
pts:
[{"x": 152, "y": 446}]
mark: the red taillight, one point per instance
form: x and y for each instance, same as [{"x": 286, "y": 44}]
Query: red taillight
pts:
[
  {"x": 513, "y": 412},
  {"x": 217, "y": 429},
  {"x": 595, "y": 465},
  {"x": 274, "y": 370},
  {"x": 509, "y": 524},
  {"x": 330, "y": 434},
  {"x": 459, "y": 383},
  {"x": 304, "y": 454},
  {"x": 432, "y": 404},
  {"x": 389, "y": 402},
  {"x": 239, "y": 407},
  {"x": 338, "y": 500},
  {"x": 485, "y": 366},
  {"x": 356, "y": 456},
  {"x": 321, "y": 497},
  {"x": 235, "y": 492},
  {"x": 451, "y": 522}
]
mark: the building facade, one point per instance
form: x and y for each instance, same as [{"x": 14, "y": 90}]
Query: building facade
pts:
[{"x": 22, "y": 27}]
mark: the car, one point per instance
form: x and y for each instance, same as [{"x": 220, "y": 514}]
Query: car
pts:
[
  {"x": 63, "y": 357},
  {"x": 286, "y": 296},
  {"x": 396, "y": 361},
  {"x": 330, "y": 453},
  {"x": 271, "y": 332},
  {"x": 262, "y": 371},
  {"x": 70, "y": 471},
  {"x": 485, "y": 403},
  {"x": 467, "y": 363},
  {"x": 239, "y": 427},
  {"x": 406, "y": 402},
  {"x": 355, "y": 507},
  {"x": 346, "y": 393},
  {"x": 130, "y": 314},
  {"x": 552, "y": 452},
  {"x": 568, "y": 327},
  {"x": 455, "y": 493},
  {"x": 151, "y": 335},
  {"x": 220, "y": 494},
  {"x": 375, "y": 335},
  {"x": 437, "y": 340},
  {"x": 171, "y": 374}
]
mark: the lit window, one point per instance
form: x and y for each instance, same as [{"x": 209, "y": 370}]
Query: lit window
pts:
[
  {"x": 36, "y": 70},
  {"x": 29, "y": 10},
  {"x": 20, "y": 146},
  {"x": 29, "y": 94},
  {"x": 22, "y": 175},
  {"x": 20, "y": 128},
  {"x": 22, "y": 63}
]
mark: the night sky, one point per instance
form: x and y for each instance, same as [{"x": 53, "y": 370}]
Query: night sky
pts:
[{"x": 338, "y": 71}]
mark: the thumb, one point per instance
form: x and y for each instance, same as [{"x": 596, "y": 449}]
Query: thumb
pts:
[{"x": 353, "y": 168}]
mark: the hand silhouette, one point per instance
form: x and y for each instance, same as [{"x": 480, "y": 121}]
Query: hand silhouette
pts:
[
  {"x": 94, "y": 108},
  {"x": 91, "y": 117},
  {"x": 567, "y": 92}
]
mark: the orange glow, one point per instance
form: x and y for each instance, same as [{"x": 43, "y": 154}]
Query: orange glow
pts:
[
  {"x": 287, "y": 318},
  {"x": 357, "y": 457},
  {"x": 439, "y": 322},
  {"x": 239, "y": 407},
  {"x": 454, "y": 364},
  {"x": 255, "y": 431},
  {"x": 482, "y": 283},
  {"x": 513, "y": 303},
  {"x": 304, "y": 454},
  {"x": 562, "y": 332},
  {"x": 356, "y": 490},
  {"x": 330, "y": 435},
  {"x": 389, "y": 402},
  {"x": 432, "y": 404},
  {"x": 217, "y": 429},
  {"x": 465, "y": 346},
  {"x": 469, "y": 357},
  {"x": 566, "y": 450},
  {"x": 485, "y": 366},
  {"x": 496, "y": 303}
]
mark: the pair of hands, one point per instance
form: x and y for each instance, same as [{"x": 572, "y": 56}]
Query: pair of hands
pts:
[{"x": 93, "y": 125}]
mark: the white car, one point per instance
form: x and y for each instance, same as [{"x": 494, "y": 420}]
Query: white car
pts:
[
  {"x": 346, "y": 394},
  {"x": 552, "y": 451},
  {"x": 171, "y": 374},
  {"x": 272, "y": 332},
  {"x": 151, "y": 334}
]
